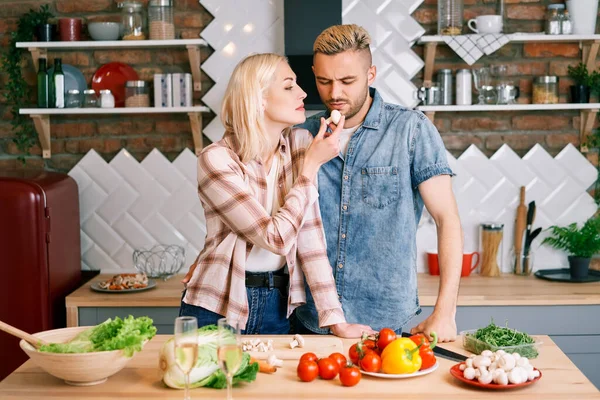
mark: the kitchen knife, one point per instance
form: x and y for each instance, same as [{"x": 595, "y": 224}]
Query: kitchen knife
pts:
[
  {"x": 520, "y": 224},
  {"x": 443, "y": 353}
]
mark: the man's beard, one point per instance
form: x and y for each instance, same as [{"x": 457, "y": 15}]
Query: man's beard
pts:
[{"x": 355, "y": 106}]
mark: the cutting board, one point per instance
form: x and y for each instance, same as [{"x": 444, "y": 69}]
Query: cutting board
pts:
[{"x": 321, "y": 345}]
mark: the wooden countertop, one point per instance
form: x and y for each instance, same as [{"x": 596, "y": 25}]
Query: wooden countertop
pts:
[
  {"x": 475, "y": 290},
  {"x": 140, "y": 380}
]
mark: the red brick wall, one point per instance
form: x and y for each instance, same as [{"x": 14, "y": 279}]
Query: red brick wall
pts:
[
  {"x": 73, "y": 136},
  {"x": 520, "y": 130}
]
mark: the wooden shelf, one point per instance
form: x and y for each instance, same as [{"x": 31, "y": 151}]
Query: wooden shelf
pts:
[
  {"x": 41, "y": 119},
  {"x": 40, "y": 49},
  {"x": 512, "y": 107},
  {"x": 524, "y": 37}
]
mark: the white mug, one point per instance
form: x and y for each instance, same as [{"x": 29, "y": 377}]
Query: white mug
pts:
[{"x": 486, "y": 24}]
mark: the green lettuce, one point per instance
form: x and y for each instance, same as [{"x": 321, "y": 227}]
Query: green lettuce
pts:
[
  {"x": 206, "y": 371},
  {"x": 127, "y": 334}
]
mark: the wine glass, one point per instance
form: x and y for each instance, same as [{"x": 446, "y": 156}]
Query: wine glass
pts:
[
  {"x": 483, "y": 81},
  {"x": 186, "y": 348},
  {"x": 229, "y": 350}
]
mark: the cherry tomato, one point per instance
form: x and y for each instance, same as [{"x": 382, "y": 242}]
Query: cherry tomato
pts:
[
  {"x": 385, "y": 337},
  {"x": 328, "y": 368},
  {"x": 350, "y": 375},
  {"x": 368, "y": 344},
  {"x": 309, "y": 357},
  {"x": 371, "y": 362},
  {"x": 307, "y": 371},
  {"x": 340, "y": 359},
  {"x": 353, "y": 354}
]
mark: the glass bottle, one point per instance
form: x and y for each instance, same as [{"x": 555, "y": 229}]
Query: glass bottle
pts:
[
  {"x": 553, "y": 20},
  {"x": 492, "y": 248},
  {"x": 450, "y": 17},
  {"x": 566, "y": 25},
  {"x": 90, "y": 100},
  {"x": 133, "y": 21},
  {"x": 160, "y": 20},
  {"x": 42, "y": 84},
  {"x": 58, "y": 84},
  {"x": 73, "y": 99}
]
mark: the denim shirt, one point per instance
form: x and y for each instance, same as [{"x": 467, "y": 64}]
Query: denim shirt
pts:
[{"x": 371, "y": 207}]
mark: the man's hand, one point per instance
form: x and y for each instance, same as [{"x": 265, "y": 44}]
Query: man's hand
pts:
[{"x": 442, "y": 324}]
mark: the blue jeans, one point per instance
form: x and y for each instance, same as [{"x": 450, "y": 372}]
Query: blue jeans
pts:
[
  {"x": 267, "y": 307},
  {"x": 298, "y": 327}
]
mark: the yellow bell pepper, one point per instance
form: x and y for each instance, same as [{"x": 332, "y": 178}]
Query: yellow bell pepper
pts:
[{"x": 401, "y": 357}]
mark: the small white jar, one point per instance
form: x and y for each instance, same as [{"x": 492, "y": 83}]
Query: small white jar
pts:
[
  {"x": 107, "y": 100},
  {"x": 463, "y": 88}
]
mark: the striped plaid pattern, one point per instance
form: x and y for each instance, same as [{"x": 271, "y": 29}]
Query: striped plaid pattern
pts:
[{"x": 234, "y": 197}]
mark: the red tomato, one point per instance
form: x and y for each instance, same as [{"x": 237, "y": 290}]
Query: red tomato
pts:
[
  {"x": 353, "y": 353},
  {"x": 350, "y": 375},
  {"x": 340, "y": 359},
  {"x": 307, "y": 371},
  {"x": 309, "y": 357},
  {"x": 368, "y": 344},
  {"x": 371, "y": 362},
  {"x": 385, "y": 337},
  {"x": 328, "y": 368}
]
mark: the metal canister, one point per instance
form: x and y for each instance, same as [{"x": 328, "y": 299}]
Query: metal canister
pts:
[{"x": 446, "y": 86}]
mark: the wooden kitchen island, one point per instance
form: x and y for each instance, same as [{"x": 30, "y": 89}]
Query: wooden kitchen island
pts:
[
  {"x": 567, "y": 312},
  {"x": 140, "y": 380}
]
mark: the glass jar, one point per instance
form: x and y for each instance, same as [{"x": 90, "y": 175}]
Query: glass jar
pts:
[
  {"x": 160, "y": 20},
  {"x": 133, "y": 21},
  {"x": 450, "y": 17},
  {"x": 73, "y": 99},
  {"x": 553, "y": 19},
  {"x": 545, "y": 90},
  {"x": 566, "y": 24},
  {"x": 137, "y": 94},
  {"x": 90, "y": 100},
  {"x": 107, "y": 100},
  {"x": 492, "y": 248}
]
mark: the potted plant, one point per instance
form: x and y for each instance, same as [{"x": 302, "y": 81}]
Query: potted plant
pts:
[
  {"x": 45, "y": 31},
  {"x": 580, "y": 92},
  {"x": 579, "y": 243},
  {"x": 17, "y": 93}
]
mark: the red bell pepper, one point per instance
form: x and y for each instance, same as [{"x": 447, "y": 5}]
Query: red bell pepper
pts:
[{"x": 425, "y": 349}]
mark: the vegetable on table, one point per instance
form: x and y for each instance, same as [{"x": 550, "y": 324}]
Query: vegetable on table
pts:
[
  {"x": 401, "y": 357},
  {"x": 428, "y": 359},
  {"x": 127, "y": 334},
  {"x": 307, "y": 370},
  {"x": 494, "y": 337},
  {"x": 206, "y": 371},
  {"x": 499, "y": 367}
]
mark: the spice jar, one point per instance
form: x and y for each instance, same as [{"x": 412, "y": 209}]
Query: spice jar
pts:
[
  {"x": 160, "y": 20},
  {"x": 450, "y": 17},
  {"x": 90, "y": 100},
  {"x": 492, "y": 248},
  {"x": 73, "y": 99},
  {"x": 545, "y": 90},
  {"x": 133, "y": 21},
  {"x": 553, "y": 19},
  {"x": 137, "y": 94},
  {"x": 107, "y": 100}
]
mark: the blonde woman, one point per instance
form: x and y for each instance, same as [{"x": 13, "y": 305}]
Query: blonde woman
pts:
[{"x": 264, "y": 231}]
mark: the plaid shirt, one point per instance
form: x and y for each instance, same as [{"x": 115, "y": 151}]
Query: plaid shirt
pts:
[{"x": 234, "y": 197}]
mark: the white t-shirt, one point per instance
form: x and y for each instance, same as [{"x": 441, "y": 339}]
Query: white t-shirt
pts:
[
  {"x": 345, "y": 136},
  {"x": 259, "y": 259}
]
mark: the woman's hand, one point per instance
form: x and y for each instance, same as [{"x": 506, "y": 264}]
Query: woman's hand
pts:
[
  {"x": 323, "y": 148},
  {"x": 350, "y": 331}
]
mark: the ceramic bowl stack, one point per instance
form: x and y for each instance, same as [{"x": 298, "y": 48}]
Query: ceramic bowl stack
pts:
[{"x": 80, "y": 369}]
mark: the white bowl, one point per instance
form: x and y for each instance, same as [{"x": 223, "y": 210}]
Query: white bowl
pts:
[
  {"x": 82, "y": 369},
  {"x": 104, "y": 30}
]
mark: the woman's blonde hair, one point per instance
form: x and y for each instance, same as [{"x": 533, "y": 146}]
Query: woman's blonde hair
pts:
[{"x": 242, "y": 112}]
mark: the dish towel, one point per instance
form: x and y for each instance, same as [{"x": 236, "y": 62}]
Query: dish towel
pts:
[{"x": 472, "y": 47}]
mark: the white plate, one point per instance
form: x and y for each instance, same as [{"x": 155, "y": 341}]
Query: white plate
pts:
[{"x": 401, "y": 376}]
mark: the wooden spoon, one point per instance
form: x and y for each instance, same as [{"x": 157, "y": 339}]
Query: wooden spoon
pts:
[{"x": 32, "y": 340}]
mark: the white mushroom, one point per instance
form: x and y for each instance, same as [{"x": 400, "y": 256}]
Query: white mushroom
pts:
[
  {"x": 485, "y": 378},
  {"x": 506, "y": 362},
  {"x": 501, "y": 378},
  {"x": 462, "y": 367},
  {"x": 487, "y": 353},
  {"x": 469, "y": 373},
  {"x": 515, "y": 377},
  {"x": 481, "y": 361},
  {"x": 334, "y": 117},
  {"x": 523, "y": 361},
  {"x": 297, "y": 341},
  {"x": 274, "y": 361},
  {"x": 469, "y": 362}
]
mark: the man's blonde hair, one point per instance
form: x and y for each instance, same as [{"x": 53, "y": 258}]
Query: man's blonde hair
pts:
[
  {"x": 242, "y": 112},
  {"x": 339, "y": 38}
]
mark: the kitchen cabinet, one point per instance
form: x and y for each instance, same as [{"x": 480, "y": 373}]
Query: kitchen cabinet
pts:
[
  {"x": 41, "y": 116},
  {"x": 589, "y": 45},
  {"x": 567, "y": 312}
]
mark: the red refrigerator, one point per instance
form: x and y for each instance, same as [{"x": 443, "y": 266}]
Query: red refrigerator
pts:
[{"x": 40, "y": 257}]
